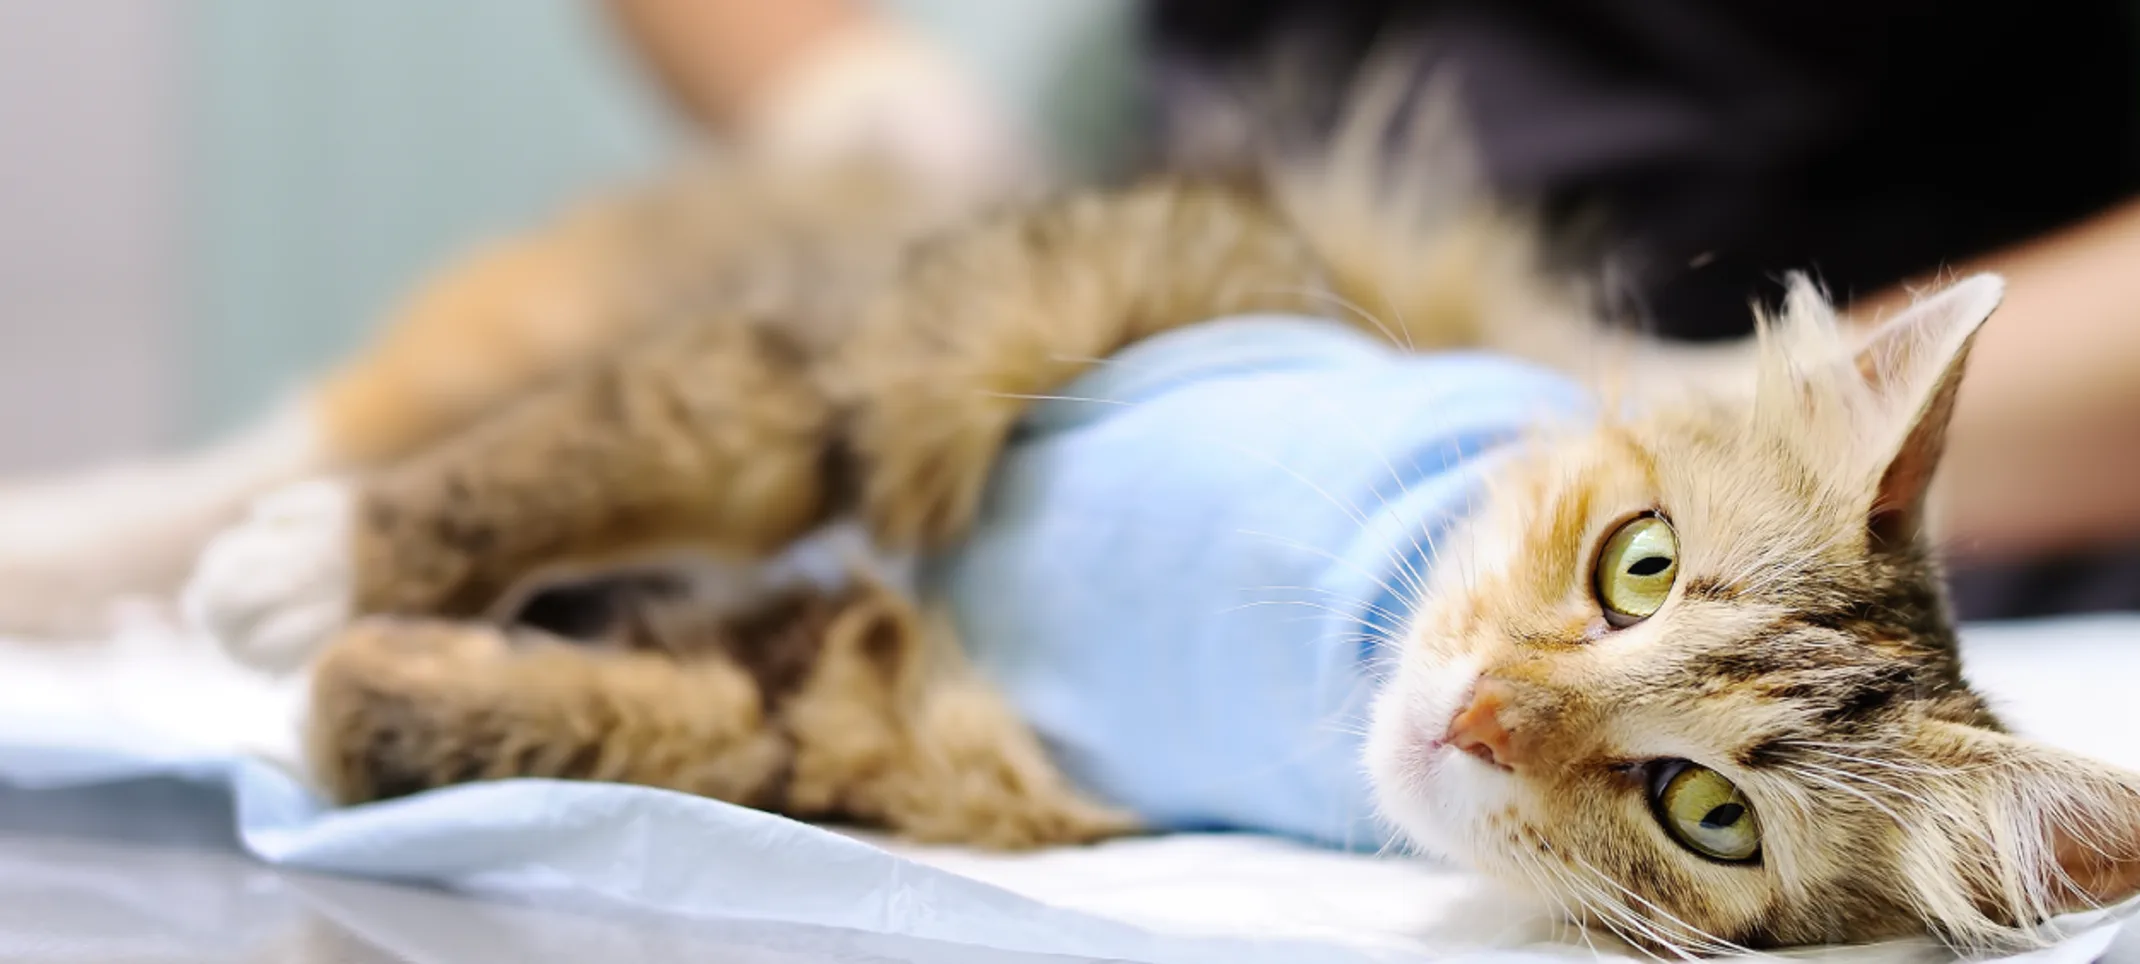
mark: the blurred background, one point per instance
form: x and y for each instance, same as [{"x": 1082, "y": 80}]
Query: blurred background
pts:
[{"x": 203, "y": 201}]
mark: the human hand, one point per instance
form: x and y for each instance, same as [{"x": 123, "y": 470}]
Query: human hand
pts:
[{"x": 877, "y": 89}]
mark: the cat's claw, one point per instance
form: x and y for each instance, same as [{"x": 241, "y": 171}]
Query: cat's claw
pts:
[{"x": 274, "y": 588}]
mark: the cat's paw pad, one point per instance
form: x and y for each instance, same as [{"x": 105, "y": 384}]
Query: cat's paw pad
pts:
[{"x": 274, "y": 588}]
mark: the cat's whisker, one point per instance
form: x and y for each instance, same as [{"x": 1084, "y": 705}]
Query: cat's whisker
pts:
[
  {"x": 1615, "y": 918},
  {"x": 1024, "y": 397},
  {"x": 2036, "y": 895},
  {"x": 1524, "y": 865},
  {"x": 1774, "y": 571},
  {"x": 2089, "y": 830},
  {"x": 1393, "y": 834},
  {"x": 1295, "y": 621},
  {"x": 1766, "y": 568},
  {"x": 1541, "y": 882},
  {"x": 1340, "y": 597},
  {"x": 1418, "y": 579},
  {"x": 1467, "y": 568},
  {"x": 1381, "y": 640},
  {"x": 1095, "y": 362},
  {"x": 1401, "y": 564},
  {"x": 1300, "y": 603},
  {"x": 1353, "y": 722},
  {"x": 1707, "y": 939},
  {"x": 1853, "y": 791},
  {"x": 1366, "y": 634},
  {"x": 1299, "y": 587},
  {"x": 1898, "y": 767},
  {"x": 1356, "y": 729},
  {"x": 1396, "y": 309},
  {"x": 1587, "y": 899},
  {"x": 1831, "y": 750},
  {"x": 1405, "y": 572},
  {"x": 1929, "y": 806},
  {"x": 1388, "y": 658},
  {"x": 1380, "y": 664},
  {"x": 1426, "y": 531},
  {"x": 1862, "y": 778},
  {"x": 1634, "y": 922},
  {"x": 1610, "y": 909},
  {"x": 2084, "y": 829},
  {"x": 1333, "y": 557},
  {"x": 1339, "y": 300},
  {"x": 1368, "y": 318}
]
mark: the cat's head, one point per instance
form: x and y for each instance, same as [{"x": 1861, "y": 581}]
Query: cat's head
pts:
[{"x": 1689, "y": 672}]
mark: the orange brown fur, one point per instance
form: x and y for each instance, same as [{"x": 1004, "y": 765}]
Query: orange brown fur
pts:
[
  {"x": 527, "y": 306},
  {"x": 706, "y": 436},
  {"x": 520, "y": 312},
  {"x": 864, "y": 723}
]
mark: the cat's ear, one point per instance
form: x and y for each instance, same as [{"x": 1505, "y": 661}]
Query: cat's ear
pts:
[
  {"x": 1913, "y": 363},
  {"x": 2041, "y": 831}
]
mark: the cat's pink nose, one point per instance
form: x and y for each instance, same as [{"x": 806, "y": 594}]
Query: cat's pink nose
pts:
[{"x": 1478, "y": 728}]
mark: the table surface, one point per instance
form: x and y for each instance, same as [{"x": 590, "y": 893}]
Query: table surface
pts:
[{"x": 98, "y": 901}]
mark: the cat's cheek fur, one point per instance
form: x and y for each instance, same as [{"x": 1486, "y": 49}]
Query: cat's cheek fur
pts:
[{"x": 275, "y": 588}]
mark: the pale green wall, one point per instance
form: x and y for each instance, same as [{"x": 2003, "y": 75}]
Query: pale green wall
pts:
[{"x": 341, "y": 148}]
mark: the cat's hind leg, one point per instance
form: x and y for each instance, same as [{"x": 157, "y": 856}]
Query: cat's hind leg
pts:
[
  {"x": 405, "y": 705},
  {"x": 892, "y": 728},
  {"x": 835, "y": 707}
]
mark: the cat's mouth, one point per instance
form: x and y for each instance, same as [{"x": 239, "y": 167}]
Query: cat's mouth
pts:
[
  {"x": 1486, "y": 756},
  {"x": 1422, "y": 732},
  {"x": 1433, "y": 787}
]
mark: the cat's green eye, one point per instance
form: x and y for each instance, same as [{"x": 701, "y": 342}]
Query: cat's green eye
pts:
[
  {"x": 1705, "y": 812},
  {"x": 1636, "y": 569}
]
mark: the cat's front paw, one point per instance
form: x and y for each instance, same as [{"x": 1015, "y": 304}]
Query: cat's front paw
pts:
[{"x": 274, "y": 588}]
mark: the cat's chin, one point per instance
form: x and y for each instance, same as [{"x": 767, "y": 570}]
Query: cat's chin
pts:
[{"x": 1444, "y": 811}]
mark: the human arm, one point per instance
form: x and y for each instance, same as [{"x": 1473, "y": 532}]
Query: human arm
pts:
[{"x": 812, "y": 79}]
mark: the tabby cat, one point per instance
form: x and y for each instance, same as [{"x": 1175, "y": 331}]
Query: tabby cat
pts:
[{"x": 1685, "y": 669}]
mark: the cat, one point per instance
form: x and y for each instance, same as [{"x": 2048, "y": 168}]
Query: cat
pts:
[
  {"x": 1685, "y": 670},
  {"x": 504, "y": 318}
]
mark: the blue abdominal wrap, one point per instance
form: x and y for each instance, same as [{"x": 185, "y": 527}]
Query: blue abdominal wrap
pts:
[{"x": 1186, "y": 570}]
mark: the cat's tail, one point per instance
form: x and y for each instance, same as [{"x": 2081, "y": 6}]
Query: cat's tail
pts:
[{"x": 1395, "y": 202}]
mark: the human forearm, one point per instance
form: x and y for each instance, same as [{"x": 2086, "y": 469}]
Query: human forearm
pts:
[
  {"x": 717, "y": 58},
  {"x": 818, "y": 80}
]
